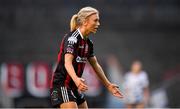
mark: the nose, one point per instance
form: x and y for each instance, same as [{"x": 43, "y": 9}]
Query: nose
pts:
[{"x": 98, "y": 23}]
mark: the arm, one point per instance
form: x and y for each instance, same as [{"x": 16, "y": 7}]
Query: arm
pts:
[
  {"x": 70, "y": 69},
  {"x": 146, "y": 95},
  {"x": 146, "y": 89},
  {"x": 100, "y": 73}
]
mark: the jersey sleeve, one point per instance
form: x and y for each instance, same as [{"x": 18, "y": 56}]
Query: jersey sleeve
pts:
[
  {"x": 70, "y": 45},
  {"x": 91, "y": 49},
  {"x": 145, "y": 80}
]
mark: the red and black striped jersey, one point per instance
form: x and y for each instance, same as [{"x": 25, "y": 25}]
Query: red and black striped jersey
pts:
[{"x": 81, "y": 49}]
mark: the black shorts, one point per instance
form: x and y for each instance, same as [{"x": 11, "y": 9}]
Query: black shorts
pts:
[{"x": 63, "y": 94}]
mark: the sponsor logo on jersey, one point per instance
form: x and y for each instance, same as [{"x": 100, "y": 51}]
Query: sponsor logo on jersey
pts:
[
  {"x": 81, "y": 59},
  {"x": 70, "y": 50}
]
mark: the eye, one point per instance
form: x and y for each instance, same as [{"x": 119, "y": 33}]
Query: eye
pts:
[{"x": 96, "y": 20}]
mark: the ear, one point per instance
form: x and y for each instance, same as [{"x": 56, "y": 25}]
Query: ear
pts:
[{"x": 85, "y": 22}]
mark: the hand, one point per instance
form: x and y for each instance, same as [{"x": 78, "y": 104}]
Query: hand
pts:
[
  {"x": 113, "y": 88},
  {"x": 81, "y": 85}
]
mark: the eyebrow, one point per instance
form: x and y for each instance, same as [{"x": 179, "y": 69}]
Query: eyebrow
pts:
[{"x": 96, "y": 19}]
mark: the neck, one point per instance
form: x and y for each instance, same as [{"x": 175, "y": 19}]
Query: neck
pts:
[
  {"x": 135, "y": 71},
  {"x": 84, "y": 32}
]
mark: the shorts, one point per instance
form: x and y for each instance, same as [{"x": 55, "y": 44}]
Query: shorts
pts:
[{"x": 63, "y": 94}]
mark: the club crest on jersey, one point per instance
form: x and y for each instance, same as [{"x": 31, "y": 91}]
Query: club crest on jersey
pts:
[
  {"x": 54, "y": 95},
  {"x": 72, "y": 40}
]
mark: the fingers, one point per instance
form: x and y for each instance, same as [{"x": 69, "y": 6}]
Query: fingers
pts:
[
  {"x": 82, "y": 83},
  {"x": 117, "y": 93},
  {"x": 83, "y": 80},
  {"x": 82, "y": 86}
]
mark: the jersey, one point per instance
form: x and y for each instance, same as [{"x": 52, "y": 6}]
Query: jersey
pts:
[
  {"x": 134, "y": 86},
  {"x": 81, "y": 49}
]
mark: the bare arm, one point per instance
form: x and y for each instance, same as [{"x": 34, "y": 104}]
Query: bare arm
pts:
[
  {"x": 70, "y": 69},
  {"x": 146, "y": 95},
  {"x": 100, "y": 73}
]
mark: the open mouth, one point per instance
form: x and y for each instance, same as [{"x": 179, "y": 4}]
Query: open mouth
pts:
[{"x": 96, "y": 28}]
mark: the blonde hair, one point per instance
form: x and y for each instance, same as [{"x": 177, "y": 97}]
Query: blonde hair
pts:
[{"x": 78, "y": 18}]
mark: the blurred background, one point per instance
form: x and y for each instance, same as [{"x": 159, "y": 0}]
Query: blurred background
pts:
[{"x": 31, "y": 32}]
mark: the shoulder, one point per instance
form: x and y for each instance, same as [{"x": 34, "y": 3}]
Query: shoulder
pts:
[
  {"x": 90, "y": 41},
  {"x": 72, "y": 37},
  {"x": 144, "y": 75}
]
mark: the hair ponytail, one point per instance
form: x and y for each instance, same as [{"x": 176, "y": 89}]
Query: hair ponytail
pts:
[{"x": 73, "y": 23}]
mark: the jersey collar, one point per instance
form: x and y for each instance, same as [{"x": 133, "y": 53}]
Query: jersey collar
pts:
[{"x": 80, "y": 33}]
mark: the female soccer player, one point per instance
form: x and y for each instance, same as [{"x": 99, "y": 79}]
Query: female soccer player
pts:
[
  {"x": 136, "y": 86},
  {"x": 76, "y": 48}
]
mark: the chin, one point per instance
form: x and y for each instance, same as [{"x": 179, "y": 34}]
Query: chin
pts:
[{"x": 94, "y": 31}]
